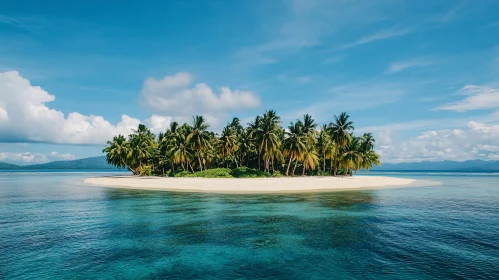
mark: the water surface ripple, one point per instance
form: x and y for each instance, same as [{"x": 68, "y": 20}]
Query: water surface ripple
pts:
[{"x": 52, "y": 227}]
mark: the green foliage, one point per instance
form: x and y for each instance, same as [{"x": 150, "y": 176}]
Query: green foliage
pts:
[
  {"x": 245, "y": 172},
  {"x": 145, "y": 170},
  {"x": 263, "y": 146},
  {"x": 277, "y": 174},
  {"x": 215, "y": 173},
  {"x": 209, "y": 173},
  {"x": 322, "y": 173},
  {"x": 184, "y": 174}
]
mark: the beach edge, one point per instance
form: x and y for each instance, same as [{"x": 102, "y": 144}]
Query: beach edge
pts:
[{"x": 257, "y": 185}]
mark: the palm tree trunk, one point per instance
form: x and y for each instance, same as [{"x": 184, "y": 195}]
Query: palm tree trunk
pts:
[
  {"x": 303, "y": 173},
  {"x": 127, "y": 166},
  {"x": 259, "y": 157},
  {"x": 199, "y": 160},
  {"x": 324, "y": 162},
  {"x": 335, "y": 163},
  {"x": 289, "y": 164},
  {"x": 296, "y": 163}
]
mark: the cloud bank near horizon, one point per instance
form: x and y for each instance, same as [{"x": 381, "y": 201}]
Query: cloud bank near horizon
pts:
[{"x": 26, "y": 117}]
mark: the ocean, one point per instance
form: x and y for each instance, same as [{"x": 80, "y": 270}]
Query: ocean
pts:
[{"x": 52, "y": 226}]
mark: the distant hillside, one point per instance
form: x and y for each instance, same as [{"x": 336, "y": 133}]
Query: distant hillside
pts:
[
  {"x": 4, "y": 165},
  {"x": 84, "y": 163},
  {"x": 469, "y": 165},
  {"x": 101, "y": 163}
]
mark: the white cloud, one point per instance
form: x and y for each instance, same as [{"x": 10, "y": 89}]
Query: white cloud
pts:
[
  {"x": 402, "y": 65},
  {"x": 386, "y": 34},
  {"x": 175, "y": 96},
  {"x": 477, "y": 140},
  {"x": 158, "y": 123},
  {"x": 54, "y": 156},
  {"x": 478, "y": 97},
  {"x": 384, "y": 138},
  {"x": 34, "y": 158},
  {"x": 25, "y": 117},
  {"x": 308, "y": 23}
]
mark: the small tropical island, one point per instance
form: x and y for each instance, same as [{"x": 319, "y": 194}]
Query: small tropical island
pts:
[{"x": 261, "y": 153}]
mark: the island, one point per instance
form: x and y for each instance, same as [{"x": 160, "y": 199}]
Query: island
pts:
[{"x": 262, "y": 157}]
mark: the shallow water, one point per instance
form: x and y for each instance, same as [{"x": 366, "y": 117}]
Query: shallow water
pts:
[{"x": 53, "y": 227}]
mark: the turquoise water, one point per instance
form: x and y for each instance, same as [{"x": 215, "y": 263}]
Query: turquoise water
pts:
[{"x": 53, "y": 227}]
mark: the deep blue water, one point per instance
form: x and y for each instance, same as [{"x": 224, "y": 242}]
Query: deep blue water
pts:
[{"x": 53, "y": 227}]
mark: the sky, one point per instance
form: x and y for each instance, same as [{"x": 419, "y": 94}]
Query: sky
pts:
[{"x": 422, "y": 76}]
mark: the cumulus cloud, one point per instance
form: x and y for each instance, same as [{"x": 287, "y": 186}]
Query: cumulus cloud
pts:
[
  {"x": 176, "y": 96},
  {"x": 158, "y": 123},
  {"x": 26, "y": 117},
  {"x": 34, "y": 158},
  {"x": 478, "y": 97},
  {"x": 477, "y": 140}
]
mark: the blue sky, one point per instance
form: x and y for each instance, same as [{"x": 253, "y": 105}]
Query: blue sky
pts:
[{"x": 422, "y": 76}]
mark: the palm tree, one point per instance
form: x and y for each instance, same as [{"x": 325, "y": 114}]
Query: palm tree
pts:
[
  {"x": 351, "y": 156},
  {"x": 228, "y": 144},
  {"x": 308, "y": 128},
  {"x": 252, "y": 129},
  {"x": 246, "y": 146},
  {"x": 236, "y": 125},
  {"x": 369, "y": 157},
  {"x": 340, "y": 133},
  {"x": 181, "y": 145},
  {"x": 180, "y": 152},
  {"x": 325, "y": 146},
  {"x": 294, "y": 144},
  {"x": 142, "y": 142},
  {"x": 310, "y": 159},
  {"x": 117, "y": 152},
  {"x": 368, "y": 141},
  {"x": 199, "y": 137},
  {"x": 144, "y": 134},
  {"x": 267, "y": 136}
]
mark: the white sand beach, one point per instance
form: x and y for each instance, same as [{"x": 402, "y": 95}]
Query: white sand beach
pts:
[{"x": 257, "y": 185}]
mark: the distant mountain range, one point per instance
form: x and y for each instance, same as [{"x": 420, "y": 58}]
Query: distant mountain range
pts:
[
  {"x": 101, "y": 163},
  {"x": 84, "y": 163},
  {"x": 464, "y": 166}
]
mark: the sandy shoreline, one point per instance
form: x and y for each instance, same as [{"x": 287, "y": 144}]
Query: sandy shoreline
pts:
[{"x": 257, "y": 185}]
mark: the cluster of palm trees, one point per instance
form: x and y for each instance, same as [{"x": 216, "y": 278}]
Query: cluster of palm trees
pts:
[{"x": 263, "y": 144}]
